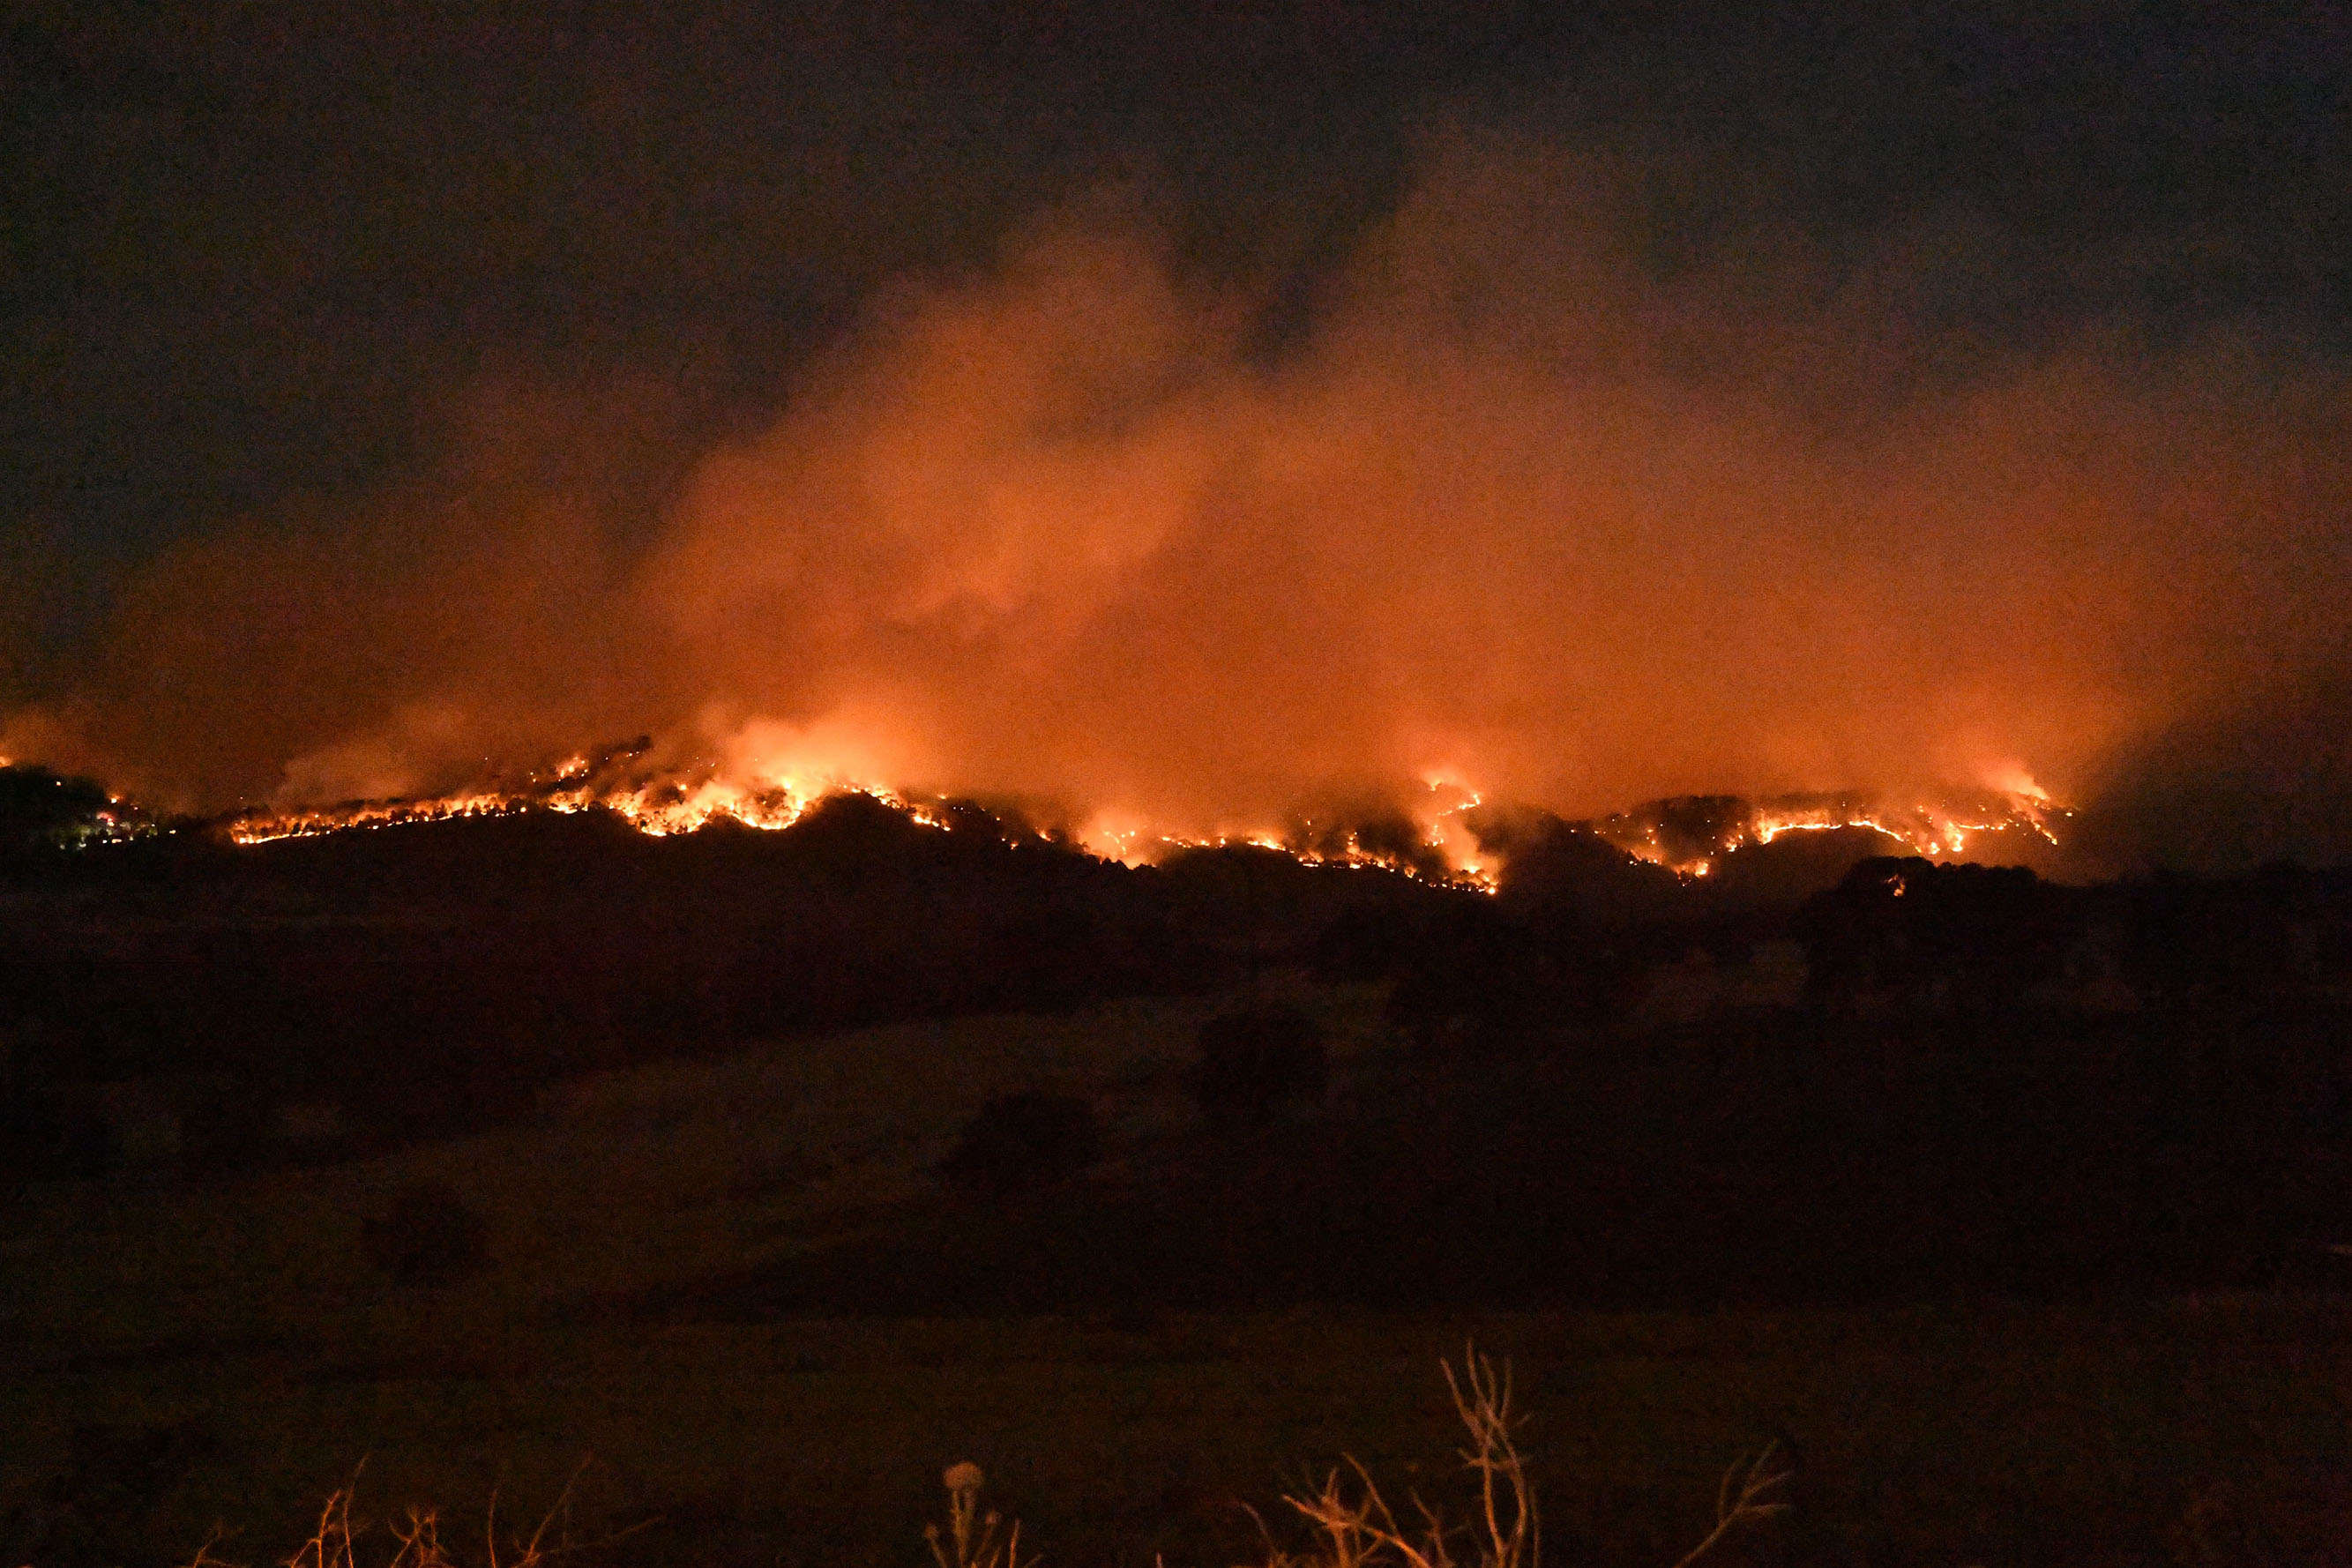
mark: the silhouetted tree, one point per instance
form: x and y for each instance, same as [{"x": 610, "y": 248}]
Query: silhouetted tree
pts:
[
  {"x": 1252, "y": 1063},
  {"x": 1020, "y": 1142}
]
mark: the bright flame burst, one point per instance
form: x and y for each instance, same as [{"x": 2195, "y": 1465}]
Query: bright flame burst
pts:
[
  {"x": 1689, "y": 837},
  {"x": 1444, "y": 850},
  {"x": 658, "y": 809}
]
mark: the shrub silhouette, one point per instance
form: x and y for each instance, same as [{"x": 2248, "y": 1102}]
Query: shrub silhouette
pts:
[
  {"x": 427, "y": 1236},
  {"x": 1252, "y": 1062},
  {"x": 1022, "y": 1141}
]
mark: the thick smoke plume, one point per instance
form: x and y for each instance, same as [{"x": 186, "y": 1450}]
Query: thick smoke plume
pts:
[{"x": 1517, "y": 507}]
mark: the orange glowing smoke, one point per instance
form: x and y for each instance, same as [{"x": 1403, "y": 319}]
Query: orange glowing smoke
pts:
[{"x": 1512, "y": 510}]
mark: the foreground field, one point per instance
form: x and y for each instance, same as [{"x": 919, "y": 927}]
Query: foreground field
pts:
[
  {"x": 229, "y": 1355},
  {"x": 1991, "y": 1435}
]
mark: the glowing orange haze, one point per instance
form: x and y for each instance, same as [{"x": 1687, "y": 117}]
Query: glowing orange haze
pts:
[{"x": 1511, "y": 516}]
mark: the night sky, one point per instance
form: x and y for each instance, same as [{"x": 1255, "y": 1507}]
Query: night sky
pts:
[{"x": 1187, "y": 411}]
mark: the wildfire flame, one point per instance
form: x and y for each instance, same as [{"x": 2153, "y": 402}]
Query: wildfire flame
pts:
[{"x": 1689, "y": 837}]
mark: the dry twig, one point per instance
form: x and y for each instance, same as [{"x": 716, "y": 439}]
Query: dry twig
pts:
[
  {"x": 334, "y": 1543},
  {"x": 1360, "y": 1530},
  {"x": 1749, "y": 1493},
  {"x": 1363, "y": 1531}
]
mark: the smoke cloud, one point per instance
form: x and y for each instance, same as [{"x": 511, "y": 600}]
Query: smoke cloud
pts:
[{"x": 1519, "y": 506}]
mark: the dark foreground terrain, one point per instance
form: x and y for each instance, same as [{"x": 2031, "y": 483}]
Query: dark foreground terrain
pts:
[
  {"x": 191, "y": 1355},
  {"x": 777, "y": 1170}
]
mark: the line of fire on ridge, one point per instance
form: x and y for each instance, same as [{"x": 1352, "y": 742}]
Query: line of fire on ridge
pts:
[{"x": 1688, "y": 835}]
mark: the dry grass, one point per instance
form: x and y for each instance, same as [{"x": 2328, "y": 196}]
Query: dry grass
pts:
[
  {"x": 1352, "y": 1523},
  {"x": 1359, "y": 1529},
  {"x": 1355, "y": 1525},
  {"x": 1751, "y": 1491},
  {"x": 414, "y": 1541}
]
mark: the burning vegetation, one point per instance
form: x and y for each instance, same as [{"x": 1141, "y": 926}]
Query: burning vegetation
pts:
[
  {"x": 43, "y": 810},
  {"x": 1690, "y": 835},
  {"x": 1446, "y": 833}
]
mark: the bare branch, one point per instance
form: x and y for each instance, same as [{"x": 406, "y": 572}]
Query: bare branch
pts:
[{"x": 1748, "y": 1494}]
